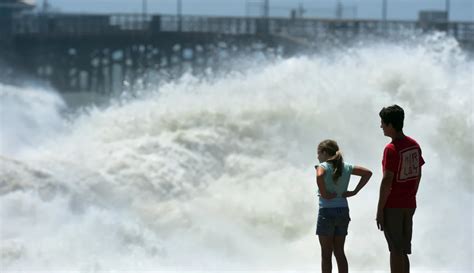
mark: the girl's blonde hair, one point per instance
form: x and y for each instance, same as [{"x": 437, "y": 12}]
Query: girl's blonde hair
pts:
[{"x": 332, "y": 149}]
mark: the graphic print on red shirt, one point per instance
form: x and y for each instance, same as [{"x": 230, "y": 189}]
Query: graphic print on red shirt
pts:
[
  {"x": 403, "y": 158},
  {"x": 409, "y": 166}
]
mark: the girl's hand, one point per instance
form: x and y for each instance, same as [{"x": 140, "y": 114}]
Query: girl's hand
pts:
[
  {"x": 349, "y": 194},
  {"x": 330, "y": 195}
]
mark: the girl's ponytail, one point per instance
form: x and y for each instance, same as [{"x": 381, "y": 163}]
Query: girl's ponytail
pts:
[
  {"x": 338, "y": 164},
  {"x": 332, "y": 149}
]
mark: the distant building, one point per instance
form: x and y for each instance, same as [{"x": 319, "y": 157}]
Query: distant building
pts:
[
  {"x": 430, "y": 20},
  {"x": 433, "y": 16},
  {"x": 8, "y": 9}
]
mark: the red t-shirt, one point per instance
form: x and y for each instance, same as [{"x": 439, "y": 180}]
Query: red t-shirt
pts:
[{"x": 403, "y": 158}]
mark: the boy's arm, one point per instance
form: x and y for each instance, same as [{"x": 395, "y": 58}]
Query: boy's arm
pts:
[
  {"x": 385, "y": 188},
  {"x": 418, "y": 183}
]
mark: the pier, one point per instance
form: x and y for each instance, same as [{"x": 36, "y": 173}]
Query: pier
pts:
[{"x": 103, "y": 53}]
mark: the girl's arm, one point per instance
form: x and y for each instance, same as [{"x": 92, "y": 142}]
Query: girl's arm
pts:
[
  {"x": 320, "y": 181},
  {"x": 364, "y": 174}
]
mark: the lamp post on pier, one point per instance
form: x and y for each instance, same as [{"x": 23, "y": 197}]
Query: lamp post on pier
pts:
[
  {"x": 266, "y": 9},
  {"x": 144, "y": 8},
  {"x": 45, "y": 6},
  {"x": 179, "y": 11},
  {"x": 144, "y": 13},
  {"x": 448, "y": 7}
]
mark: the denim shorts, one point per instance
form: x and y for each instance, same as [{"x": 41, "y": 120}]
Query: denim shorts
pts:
[{"x": 333, "y": 221}]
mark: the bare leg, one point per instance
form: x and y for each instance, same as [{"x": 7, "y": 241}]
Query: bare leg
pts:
[
  {"x": 339, "y": 253},
  {"x": 397, "y": 262},
  {"x": 327, "y": 247},
  {"x": 407, "y": 264}
]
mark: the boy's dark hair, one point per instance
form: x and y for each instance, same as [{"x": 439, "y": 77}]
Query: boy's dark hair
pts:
[{"x": 393, "y": 115}]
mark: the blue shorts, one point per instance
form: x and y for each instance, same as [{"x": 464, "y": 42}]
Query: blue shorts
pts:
[{"x": 333, "y": 221}]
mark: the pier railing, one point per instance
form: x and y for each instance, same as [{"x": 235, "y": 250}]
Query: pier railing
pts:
[
  {"x": 76, "y": 52},
  {"x": 80, "y": 24}
]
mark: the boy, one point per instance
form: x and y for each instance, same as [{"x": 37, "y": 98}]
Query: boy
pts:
[{"x": 401, "y": 164}]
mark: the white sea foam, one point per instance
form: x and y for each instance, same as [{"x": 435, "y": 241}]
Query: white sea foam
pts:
[
  {"x": 28, "y": 117},
  {"x": 213, "y": 175}
]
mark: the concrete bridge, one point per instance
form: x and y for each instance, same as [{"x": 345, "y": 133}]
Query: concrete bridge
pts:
[{"x": 103, "y": 53}]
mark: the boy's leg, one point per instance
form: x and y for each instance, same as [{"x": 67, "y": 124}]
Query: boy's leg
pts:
[
  {"x": 397, "y": 262},
  {"x": 407, "y": 264},
  {"x": 394, "y": 228},
  {"x": 407, "y": 235}
]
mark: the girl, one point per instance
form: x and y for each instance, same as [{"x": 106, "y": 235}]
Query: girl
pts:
[{"x": 333, "y": 177}]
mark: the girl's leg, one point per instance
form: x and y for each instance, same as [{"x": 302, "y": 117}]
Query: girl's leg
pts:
[
  {"x": 327, "y": 247},
  {"x": 339, "y": 253}
]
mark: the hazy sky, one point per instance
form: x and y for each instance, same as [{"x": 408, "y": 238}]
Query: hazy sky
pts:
[{"x": 461, "y": 10}]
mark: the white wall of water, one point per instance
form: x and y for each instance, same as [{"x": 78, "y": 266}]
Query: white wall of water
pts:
[
  {"x": 28, "y": 116},
  {"x": 212, "y": 175}
]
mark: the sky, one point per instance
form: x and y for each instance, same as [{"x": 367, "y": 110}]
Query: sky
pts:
[{"x": 460, "y": 10}]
